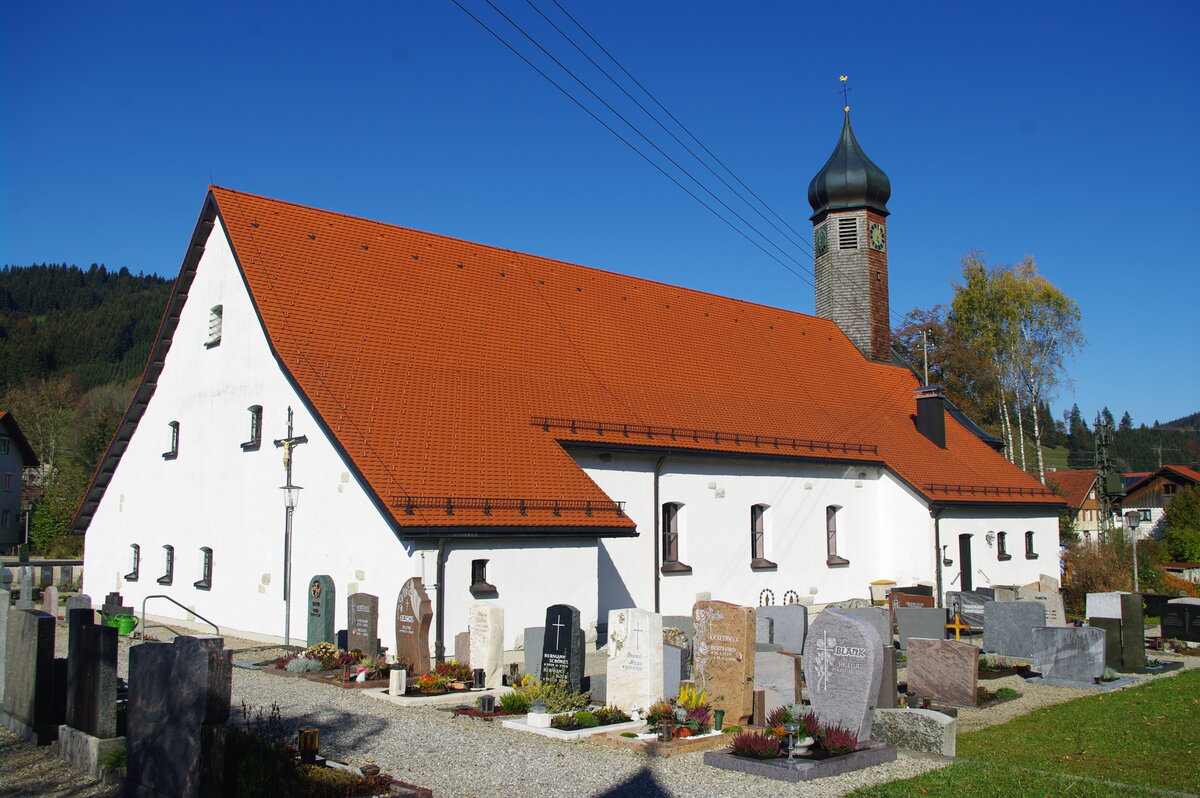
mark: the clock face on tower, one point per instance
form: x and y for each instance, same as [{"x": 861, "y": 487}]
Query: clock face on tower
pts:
[
  {"x": 878, "y": 237},
  {"x": 820, "y": 241}
]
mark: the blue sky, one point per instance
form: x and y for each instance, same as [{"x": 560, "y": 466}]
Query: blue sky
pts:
[{"x": 1066, "y": 131}]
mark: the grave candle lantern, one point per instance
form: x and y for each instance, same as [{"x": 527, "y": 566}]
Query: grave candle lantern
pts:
[
  {"x": 478, "y": 675},
  {"x": 309, "y": 741}
]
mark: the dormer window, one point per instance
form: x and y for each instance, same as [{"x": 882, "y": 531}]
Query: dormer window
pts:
[
  {"x": 215, "y": 316},
  {"x": 255, "y": 439},
  {"x": 173, "y": 452}
]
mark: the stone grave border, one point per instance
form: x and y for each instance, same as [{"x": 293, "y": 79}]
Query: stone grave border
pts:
[
  {"x": 518, "y": 723},
  {"x": 442, "y": 699},
  {"x": 781, "y": 770},
  {"x": 656, "y": 747}
]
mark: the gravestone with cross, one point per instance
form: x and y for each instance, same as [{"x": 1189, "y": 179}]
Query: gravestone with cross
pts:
[
  {"x": 562, "y": 647},
  {"x": 635, "y": 658},
  {"x": 414, "y": 611},
  {"x": 321, "y": 597},
  {"x": 843, "y": 656}
]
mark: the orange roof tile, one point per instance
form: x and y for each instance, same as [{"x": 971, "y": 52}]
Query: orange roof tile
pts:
[
  {"x": 1075, "y": 484},
  {"x": 435, "y": 362}
]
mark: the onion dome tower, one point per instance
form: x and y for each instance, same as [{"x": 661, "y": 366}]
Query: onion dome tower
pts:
[{"x": 849, "y": 201}]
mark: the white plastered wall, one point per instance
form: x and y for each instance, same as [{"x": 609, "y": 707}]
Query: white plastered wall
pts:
[{"x": 987, "y": 568}]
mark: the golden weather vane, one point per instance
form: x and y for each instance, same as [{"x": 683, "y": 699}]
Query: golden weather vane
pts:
[{"x": 845, "y": 91}]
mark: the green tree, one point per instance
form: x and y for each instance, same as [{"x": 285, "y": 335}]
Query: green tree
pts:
[{"x": 1181, "y": 525}]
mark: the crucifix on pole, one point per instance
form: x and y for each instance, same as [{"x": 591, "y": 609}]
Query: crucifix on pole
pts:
[{"x": 292, "y": 493}]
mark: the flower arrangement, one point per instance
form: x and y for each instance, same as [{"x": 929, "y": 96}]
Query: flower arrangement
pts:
[
  {"x": 754, "y": 745},
  {"x": 698, "y": 719},
  {"x": 691, "y": 698},
  {"x": 453, "y": 670},
  {"x": 555, "y": 695},
  {"x": 792, "y": 713},
  {"x": 432, "y": 683},
  {"x": 325, "y": 653},
  {"x": 837, "y": 740}
]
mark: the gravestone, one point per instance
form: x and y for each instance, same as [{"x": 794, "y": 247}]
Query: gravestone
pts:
[
  {"x": 486, "y": 622},
  {"x": 534, "y": 635},
  {"x": 843, "y": 656},
  {"x": 878, "y": 617},
  {"x": 462, "y": 647},
  {"x": 362, "y": 623},
  {"x": 915, "y": 590},
  {"x": 562, "y": 647},
  {"x": 1112, "y": 640},
  {"x": 66, "y": 575},
  {"x": 114, "y": 604},
  {"x": 29, "y": 686},
  {"x": 789, "y": 625},
  {"x": 1181, "y": 622},
  {"x": 777, "y": 675},
  {"x": 92, "y": 677},
  {"x": 913, "y": 622},
  {"x": 889, "y": 694},
  {"x": 908, "y": 601},
  {"x": 635, "y": 659},
  {"x": 5, "y": 597},
  {"x": 681, "y": 622},
  {"x": 1068, "y": 656},
  {"x": 6, "y": 579},
  {"x": 723, "y": 653},
  {"x": 944, "y": 670},
  {"x": 764, "y": 634},
  {"x": 1056, "y": 615},
  {"x": 50, "y": 601},
  {"x": 1154, "y": 602},
  {"x": 1104, "y": 605},
  {"x": 1133, "y": 633},
  {"x": 80, "y": 601},
  {"x": 674, "y": 669},
  {"x": 46, "y": 575},
  {"x": 414, "y": 611},
  {"x": 1004, "y": 592},
  {"x": 1006, "y": 626},
  {"x": 968, "y": 604},
  {"x": 25, "y": 601},
  {"x": 178, "y": 705},
  {"x": 321, "y": 607}
]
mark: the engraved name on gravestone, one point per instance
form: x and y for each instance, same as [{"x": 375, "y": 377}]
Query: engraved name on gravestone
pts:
[
  {"x": 486, "y": 625},
  {"x": 968, "y": 604},
  {"x": 1181, "y": 621},
  {"x": 944, "y": 670},
  {"x": 635, "y": 658},
  {"x": 723, "y": 651},
  {"x": 843, "y": 656},
  {"x": 1006, "y": 626},
  {"x": 321, "y": 597},
  {"x": 896, "y": 600},
  {"x": 1068, "y": 655},
  {"x": 562, "y": 647},
  {"x": 362, "y": 623},
  {"x": 1056, "y": 614},
  {"x": 414, "y": 611}
]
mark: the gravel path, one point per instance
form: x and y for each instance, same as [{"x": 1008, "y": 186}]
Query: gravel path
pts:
[{"x": 467, "y": 758}]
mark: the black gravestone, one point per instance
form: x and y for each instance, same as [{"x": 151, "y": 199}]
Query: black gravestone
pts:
[
  {"x": 77, "y": 621},
  {"x": 362, "y": 622},
  {"x": 92, "y": 681},
  {"x": 1112, "y": 639},
  {"x": 321, "y": 595},
  {"x": 562, "y": 647},
  {"x": 47, "y": 576},
  {"x": 1179, "y": 622},
  {"x": 178, "y": 705},
  {"x": 1133, "y": 633},
  {"x": 1154, "y": 603},
  {"x": 30, "y": 675}
]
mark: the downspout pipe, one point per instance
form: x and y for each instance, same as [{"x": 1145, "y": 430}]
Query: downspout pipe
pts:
[
  {"x": 935, "y": 512},
  {"x": 657, "y": 535},
  {"x": 439, "y": 643}
]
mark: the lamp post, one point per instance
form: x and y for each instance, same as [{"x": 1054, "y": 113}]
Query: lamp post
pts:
[
  {"x": 291, "y": 498},
  {"x": 1132, "y": 519}
]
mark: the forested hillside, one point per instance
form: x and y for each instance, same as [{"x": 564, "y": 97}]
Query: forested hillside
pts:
[
  {"x": 1140, "y": 448},
  {"x": 73, "y": 343}
]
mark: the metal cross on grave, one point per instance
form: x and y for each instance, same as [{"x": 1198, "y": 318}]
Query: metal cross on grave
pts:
[
  {"x": 557, "y": 631},
  {"x": 287, "y": 444},
  {"x": 958, "y": 626}
]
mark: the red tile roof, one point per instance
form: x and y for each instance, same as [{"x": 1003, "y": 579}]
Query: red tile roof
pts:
[
  {"x": 1173, "y": 472},
  {"x": 451, "y": 370},
  {"x": 1076, "y": 485}
]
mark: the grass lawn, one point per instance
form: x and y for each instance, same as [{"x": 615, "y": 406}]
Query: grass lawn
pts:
[{"x": 1148, "y": 736}]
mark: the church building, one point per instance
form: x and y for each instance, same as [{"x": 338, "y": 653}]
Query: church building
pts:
[{"x": 329, "y": 395}]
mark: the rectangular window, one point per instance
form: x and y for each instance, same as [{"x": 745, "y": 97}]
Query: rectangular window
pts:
[
  {"x": 758, "y": 534},
  {"x": 169, "y": 561},
  {"x": 216, "y": 316},
  {"x": 4, "y": 443},
  {"x": 1169, "y": 488},
  {"x": 1030, "y": 554},
  {"x": 205, "y": 581},
  {"x": 173, "y": 452},
  {"x": 1144, "y": 515},
  {"x": 479, "y": 583},
  {"x": 255, "y": 439},
  {"x": 5, "y": 518},
  {"x": 136, "y": 551},
  {"x": 831, "y": 541},
  {"x": 670, "y": 539},
  {"x": 848, "y": 233},
  {"x": 8, "y": 481},
  {"x": 1002, "y": 546}
]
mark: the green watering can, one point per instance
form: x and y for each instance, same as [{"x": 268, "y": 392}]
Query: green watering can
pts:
[{"x": 125, "y": 623}]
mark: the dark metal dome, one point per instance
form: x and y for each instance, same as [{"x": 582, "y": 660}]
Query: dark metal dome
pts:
[{"x": 849, "y": 179}]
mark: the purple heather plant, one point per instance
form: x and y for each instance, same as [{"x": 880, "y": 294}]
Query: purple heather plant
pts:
[
  {"x": 837, "y": 740},
  {"x": 757, "y": 746},
  {"x": 698, "y": 720}
]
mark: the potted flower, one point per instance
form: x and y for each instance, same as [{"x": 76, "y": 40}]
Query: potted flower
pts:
[{"x": 431, "y": 684}]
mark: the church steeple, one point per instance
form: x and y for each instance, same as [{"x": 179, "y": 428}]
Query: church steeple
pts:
[{"x": 849, "y": 201}]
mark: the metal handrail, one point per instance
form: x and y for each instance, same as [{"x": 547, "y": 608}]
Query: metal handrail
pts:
[{"x": 216, "y": 629}]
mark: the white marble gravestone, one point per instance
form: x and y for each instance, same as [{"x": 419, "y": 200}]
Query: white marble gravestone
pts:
[
  {"x": 635, "y": 658},
  {"x": 487, "y": 640}
]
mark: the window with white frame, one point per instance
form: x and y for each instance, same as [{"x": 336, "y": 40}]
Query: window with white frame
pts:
[
  {"x": 671, "y": 523},
  {"x": 758, "y": 538},
  {"x": 832, "y": 512},
  {"x": 216, "y": 317}
]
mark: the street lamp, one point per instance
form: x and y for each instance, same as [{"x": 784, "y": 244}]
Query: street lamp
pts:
[
  {"x": 291, "y": 498},
  {"x": 1132, "y": 519}
]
